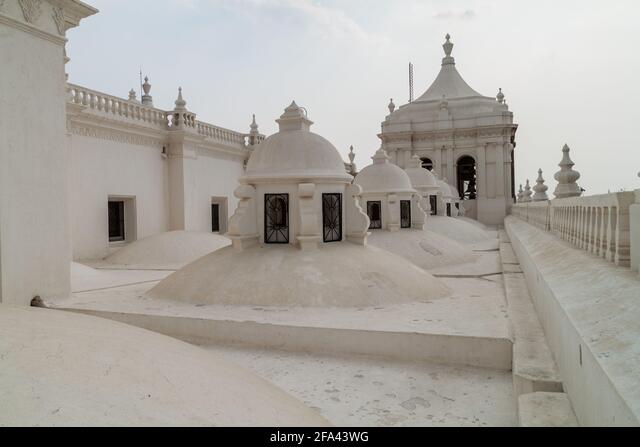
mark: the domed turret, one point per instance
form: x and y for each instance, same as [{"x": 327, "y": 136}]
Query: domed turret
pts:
[
  {"x": 384, "y": 177},
  {"x": 389, "y": 197},
  {"x": 295, "y": 153}
]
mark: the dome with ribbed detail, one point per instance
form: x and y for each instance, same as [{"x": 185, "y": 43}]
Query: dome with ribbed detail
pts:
[{"x": 295, "y": 153}]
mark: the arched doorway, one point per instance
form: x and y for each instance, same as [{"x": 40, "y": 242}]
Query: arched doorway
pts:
[
  {"x": 276, "y": 218},
  {"x": 467, "y": 178},
  {"x": 374, "y": 211}
]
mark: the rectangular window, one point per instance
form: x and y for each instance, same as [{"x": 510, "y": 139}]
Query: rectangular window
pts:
[
  {"x": 116, "y": 221},
  {"x": 215, "y": 218},
  {"x": 434, "y": 205},
  {"x": 374, "y": 211},
  {"x": 449, "y": 209},
  {"x": 405, "y": 213},
  {"x": 276, "y": 218},
  {"x": 332, "y": 217}
]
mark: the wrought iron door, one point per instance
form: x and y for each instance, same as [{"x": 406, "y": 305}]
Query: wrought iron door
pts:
[
  {"x": 374, "y": 211},
  {"x": 276, "y": 218},
  {"x": 405, "y": 213},
  {"x": 332, "y": 217}
]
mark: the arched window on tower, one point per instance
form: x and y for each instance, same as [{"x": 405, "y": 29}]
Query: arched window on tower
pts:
[
  {"x": 427, "y": 164},
  {"x": 467, "y": 178}
]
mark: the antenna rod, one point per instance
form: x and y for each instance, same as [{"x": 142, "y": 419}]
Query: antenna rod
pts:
[
  {"x": 410, "y": 82},
  {"x": 141, "y": 90}
]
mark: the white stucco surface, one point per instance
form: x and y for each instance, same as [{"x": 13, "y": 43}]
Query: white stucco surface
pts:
[
  {"x": 589, "y": 310},
  {"x": 364, "y": 391},
  {"x": 62, "y": 369},
  {"x": 172, "y": 250},
  {"x": 456, "y": 229},
  {"x": 425, "y": 249},
  {"x": 334, "y": 275}
]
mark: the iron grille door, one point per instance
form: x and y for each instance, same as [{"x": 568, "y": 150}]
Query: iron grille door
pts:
[
  {"x": 276, "y": 218},
  {"x": 332, "y": 217},
  {"x": 405, "y": 213},
  {"x": 374, "y": 211}
]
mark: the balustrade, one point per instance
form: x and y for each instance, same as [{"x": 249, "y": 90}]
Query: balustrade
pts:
[{"x": 597, "y": 224}]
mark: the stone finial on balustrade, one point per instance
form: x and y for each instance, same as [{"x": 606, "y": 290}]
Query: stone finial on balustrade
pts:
[
  {"x": 500, "y": 97},
  {"x": 567, "y": 177},
  {"x": 540, "y": 189},
  {"x": 520, "y": 194},
  {"x": 351, "y": 166},
  {"x": 147, "y": 99},
  {"x": 526, "y": 196},
  {"x": 181, "y": 104},
  {"x": 392, "y": 106},
  {"x": 132, "y": 95},
  {"x": 182, "y": 119},
  {"x": 254, "y": 133}
]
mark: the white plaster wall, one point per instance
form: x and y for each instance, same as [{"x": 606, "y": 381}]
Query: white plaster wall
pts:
[
  {"x": 592, "y": 385},
  {"x": 34, "y": 233},
  {"x": 213, "y": 175},
  {"x": 103, "y": 168}
]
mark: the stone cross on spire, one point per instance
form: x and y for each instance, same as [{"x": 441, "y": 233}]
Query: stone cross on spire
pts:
[
  {"x": 540, "y": 189},
  {"x": 567, "y": 177}
]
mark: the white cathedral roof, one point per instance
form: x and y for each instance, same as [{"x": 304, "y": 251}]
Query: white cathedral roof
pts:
[
  {"x": 383, "y": 177},
  {"x": 449, "y": 83},
  {"x": 420, "y": 177},
  {"x": 295, "y": 153}
]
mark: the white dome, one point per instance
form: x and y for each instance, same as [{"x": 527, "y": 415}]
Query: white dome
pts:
[
  {"x": 295, "y": 152},
  {"x": 383, "y": 177},
  {"x": 445, "y": 188},
  {"x": 420, "y": 177},
  {"x": 66, "y": 369}
]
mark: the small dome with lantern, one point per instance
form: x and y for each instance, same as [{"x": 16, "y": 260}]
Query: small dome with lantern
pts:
[
  {"x": 383, "y": 177},
  {"x": 295, "y": 152}
]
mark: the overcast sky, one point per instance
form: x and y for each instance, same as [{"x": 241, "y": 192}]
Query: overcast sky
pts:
[{"x": 570, "y": 69}]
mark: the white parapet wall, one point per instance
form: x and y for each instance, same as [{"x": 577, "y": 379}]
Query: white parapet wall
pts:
[
  {"x": 172, "y": 174},
  {"x": 588, "y": 307},
  {"x": 597, "y": 224},
  {"x": 634, "y": 230}
]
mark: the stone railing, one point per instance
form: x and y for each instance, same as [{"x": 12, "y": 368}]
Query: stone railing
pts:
[
  {"x": 598, "y": 224},
  {"x": 132, "y": 112},
  {"x": 220, "y": 134},
  {"x": 114, "y": 108}
]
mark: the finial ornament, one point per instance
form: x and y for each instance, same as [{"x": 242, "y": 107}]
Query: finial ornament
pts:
[
  {"x": 526, "y": 196},
  {"x": 540, "y": 189},
  {"x": 181, "y": 104},
  {"x": 392, "y": 106},
  {"x": 448, "y": 46},
  {"x": 567, "y": 177},
  {"x": 132, "y": 95},
  {"x": 500, "y": 96},
  {"x": 147, "y": 99},
  {"x": 380, "y": 157},
  {"x": 352, "y": 154},
  {"x": 520, "y": 194}
]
